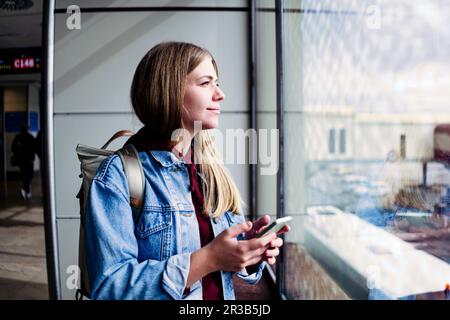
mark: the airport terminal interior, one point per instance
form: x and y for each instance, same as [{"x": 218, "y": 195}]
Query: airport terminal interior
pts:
[{"x": 347, "y": 103}]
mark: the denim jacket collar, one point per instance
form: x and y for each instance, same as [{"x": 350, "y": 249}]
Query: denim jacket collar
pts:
[{"x": 165, "y": 158}]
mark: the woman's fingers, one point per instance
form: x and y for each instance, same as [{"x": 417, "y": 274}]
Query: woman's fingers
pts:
[
  {"x": 270, "y": 253},
  {"x": 257, "y": 226},
  {"x": 276, "y": 243},
  {"x": 257, "y": 253},
  {"x": 266, "y": 248},
  {"x": 285, "y": 229},
  {"x": 261, "y": 222},
  {"x": 257, "y": 243},
  {"x": 270, "y": 250}
]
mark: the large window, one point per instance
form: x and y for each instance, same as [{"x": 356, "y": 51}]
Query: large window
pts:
[{"x": 366, "y": 138}]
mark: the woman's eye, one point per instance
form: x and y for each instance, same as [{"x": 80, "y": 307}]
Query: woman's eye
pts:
[{"x": 207, "y": 83}]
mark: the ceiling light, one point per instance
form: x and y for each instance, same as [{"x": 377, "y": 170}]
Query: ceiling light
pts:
[{"x": 13, "y": 5}]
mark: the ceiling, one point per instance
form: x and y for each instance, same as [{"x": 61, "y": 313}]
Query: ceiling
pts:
[{"x": 21, "y": 28}]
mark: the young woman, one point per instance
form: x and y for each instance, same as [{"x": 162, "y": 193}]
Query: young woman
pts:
[{"x": 190, "y": 236}]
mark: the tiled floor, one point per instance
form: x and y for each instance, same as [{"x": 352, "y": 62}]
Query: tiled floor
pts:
[{"x": 23, "y": 273}]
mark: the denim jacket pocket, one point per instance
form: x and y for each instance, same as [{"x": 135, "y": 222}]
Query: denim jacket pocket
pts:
[
  {"x": 152, "y": 220},
  {"x": 154, "y": 232}
]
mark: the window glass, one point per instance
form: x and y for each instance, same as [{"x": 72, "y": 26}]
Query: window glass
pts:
[{"x": 367, "y": 149}]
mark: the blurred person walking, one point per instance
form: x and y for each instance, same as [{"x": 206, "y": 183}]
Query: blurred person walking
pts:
[{"x": 24, "y": 149}]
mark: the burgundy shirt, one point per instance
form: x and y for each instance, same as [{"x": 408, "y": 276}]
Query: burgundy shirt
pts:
[{"x": 211, "y": 283}]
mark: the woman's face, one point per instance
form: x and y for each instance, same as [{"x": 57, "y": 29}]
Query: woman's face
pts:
[{"x": 202, "y": 97}]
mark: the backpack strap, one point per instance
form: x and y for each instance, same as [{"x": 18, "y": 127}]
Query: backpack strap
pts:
[
  {"x": 134, "y": 173},
  {"x": 118, "y": 134}
]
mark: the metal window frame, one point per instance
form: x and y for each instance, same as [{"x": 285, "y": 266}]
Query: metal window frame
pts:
[
  {"x": 51, "y": 243},
  {"x": 253, "y": 103},
  {"x": 279, "y": 276},
  {"x": 279, "y": 44}
]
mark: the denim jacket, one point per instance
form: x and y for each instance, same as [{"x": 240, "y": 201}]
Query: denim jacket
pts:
[{"x": 147, "y": 256}]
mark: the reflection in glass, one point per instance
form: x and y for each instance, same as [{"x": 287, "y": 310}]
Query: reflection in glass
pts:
[{"x": 368, "y": 147}]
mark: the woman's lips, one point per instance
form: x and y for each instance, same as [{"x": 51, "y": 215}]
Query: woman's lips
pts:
[{"x": 215, "y": 110}]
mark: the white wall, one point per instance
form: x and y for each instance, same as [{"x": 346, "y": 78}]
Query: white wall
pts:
[{"x": 93, "y": 71}]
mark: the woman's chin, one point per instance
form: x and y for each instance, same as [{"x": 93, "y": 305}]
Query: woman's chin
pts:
[{"x": 210, "y": 125}]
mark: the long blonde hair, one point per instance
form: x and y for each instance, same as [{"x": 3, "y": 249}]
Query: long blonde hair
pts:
[{"x": 157, "y": 94}]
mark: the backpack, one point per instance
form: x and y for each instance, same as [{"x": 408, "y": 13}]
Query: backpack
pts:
[{"x": 90, "y": 159}]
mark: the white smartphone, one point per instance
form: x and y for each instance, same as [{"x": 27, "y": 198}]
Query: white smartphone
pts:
[{"x": 275, "y": 226}]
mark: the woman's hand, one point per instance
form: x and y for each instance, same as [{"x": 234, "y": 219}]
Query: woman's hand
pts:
[
  {"x": 273, "y": 250},
  {"x": 227, "y": 253},
  {"x": 260, "y": 224}
]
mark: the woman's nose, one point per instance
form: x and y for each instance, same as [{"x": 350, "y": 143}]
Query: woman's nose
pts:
[{"x": 218, "y": 94}]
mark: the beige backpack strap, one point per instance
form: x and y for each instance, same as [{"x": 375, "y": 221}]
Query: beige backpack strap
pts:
[{"x": 134, "y": 173}]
